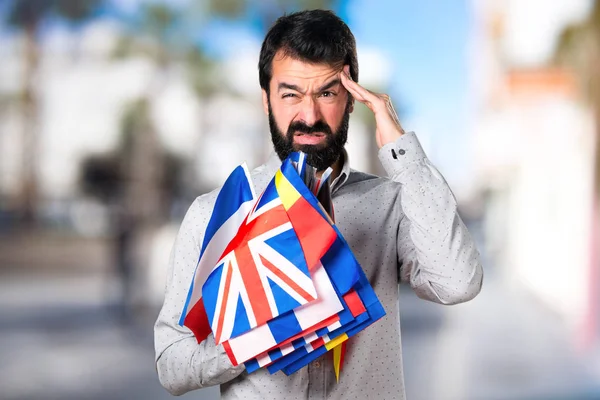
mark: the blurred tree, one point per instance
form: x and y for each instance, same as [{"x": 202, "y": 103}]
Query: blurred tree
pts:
[
  {"x": 147, "y": 180},
  {"x": 266, "y": 11},
  {"x": 578, "y": 49},
  {"x": 154, "y": 37},
  {"x": 29, "y": 16}
]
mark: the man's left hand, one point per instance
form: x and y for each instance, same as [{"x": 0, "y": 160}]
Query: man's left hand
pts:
[{"x": 388, "y": 127}]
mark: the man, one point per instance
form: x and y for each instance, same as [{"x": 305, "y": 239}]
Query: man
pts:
[{"x": 402, "y": 228}]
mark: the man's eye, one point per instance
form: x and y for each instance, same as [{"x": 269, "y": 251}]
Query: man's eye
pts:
[
  {"x": 327, "y": 94},
  {"x": 287, "y": 95}
]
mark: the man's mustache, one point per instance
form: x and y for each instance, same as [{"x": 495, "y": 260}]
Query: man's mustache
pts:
[{"x": 319, "y": 126}]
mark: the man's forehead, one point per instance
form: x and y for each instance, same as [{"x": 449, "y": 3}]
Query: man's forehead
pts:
[{"x": 285, "y": 68}]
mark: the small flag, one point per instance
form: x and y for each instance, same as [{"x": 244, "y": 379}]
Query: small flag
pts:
[{"x": 233, "y": 203}]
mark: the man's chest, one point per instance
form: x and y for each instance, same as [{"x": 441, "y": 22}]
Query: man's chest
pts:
[{"x": 369, "y": 223}]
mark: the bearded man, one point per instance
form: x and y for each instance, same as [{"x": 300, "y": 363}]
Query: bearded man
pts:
[{"x": 402, "y": 228}]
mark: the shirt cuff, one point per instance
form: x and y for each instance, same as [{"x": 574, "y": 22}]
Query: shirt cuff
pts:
[{"x": 404, "y": 151}]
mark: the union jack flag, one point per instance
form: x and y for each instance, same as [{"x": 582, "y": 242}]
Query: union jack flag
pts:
[{"x": 261, "y": 274}]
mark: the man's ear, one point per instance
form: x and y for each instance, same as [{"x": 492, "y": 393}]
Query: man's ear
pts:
[{"x": 265, "y": 99}]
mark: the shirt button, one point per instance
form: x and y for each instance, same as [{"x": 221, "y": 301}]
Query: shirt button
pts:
[
  {"x": 317, "y": 364},
  {"x": 402, "y": 152}
]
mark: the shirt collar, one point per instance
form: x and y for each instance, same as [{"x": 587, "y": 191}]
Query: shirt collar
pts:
[
  {"x": 273, "y": 164},
  {"x": 344, "y": 173}
]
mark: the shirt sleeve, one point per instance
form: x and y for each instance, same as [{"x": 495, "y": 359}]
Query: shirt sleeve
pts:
[
  {"x": 182, "y": 363},
  {"x": 436, "y": 253}
]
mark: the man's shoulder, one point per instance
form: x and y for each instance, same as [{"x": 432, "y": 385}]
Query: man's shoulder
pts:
[{"x": 204, "y": 203}]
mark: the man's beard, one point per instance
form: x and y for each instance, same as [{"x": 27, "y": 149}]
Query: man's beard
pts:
[{"x": 320, "y": 156}]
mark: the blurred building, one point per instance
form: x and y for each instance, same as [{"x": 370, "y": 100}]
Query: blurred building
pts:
[{"x": 534, "y": 139}]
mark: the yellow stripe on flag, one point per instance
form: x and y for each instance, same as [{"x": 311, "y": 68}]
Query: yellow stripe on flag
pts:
[
  {"x": 287, "y": 193},
  {"x": 336, "y": 345},
  {"x": 334, "y": 342},
  {"x": 337, "y": 361}
]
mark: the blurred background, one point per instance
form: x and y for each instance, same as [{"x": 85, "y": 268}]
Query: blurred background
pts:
[{"x": 116, "y": 114}]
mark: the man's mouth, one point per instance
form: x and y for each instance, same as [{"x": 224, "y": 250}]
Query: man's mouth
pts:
[{"x": 309, "y": 138}]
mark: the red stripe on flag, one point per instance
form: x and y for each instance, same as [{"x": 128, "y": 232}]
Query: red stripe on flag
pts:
[
  {"x": 314, "y": 232},
  {"x": 354, "y": 303},
  {"x": 317, "y": 343},
  {"x": 197, "y": 321},
  {"x": 254, "y": 286},
  {"x": 307, "y": 296},
  {"x": 223, "y": 304},
  {"x": 247, "y": 268},
  {"x": 230, "y": 354}
]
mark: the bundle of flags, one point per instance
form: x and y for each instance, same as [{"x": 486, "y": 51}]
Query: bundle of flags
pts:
[{"x": 276, "y": 283}]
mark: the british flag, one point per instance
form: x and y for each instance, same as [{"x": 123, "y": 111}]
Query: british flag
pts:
[{"x": 261, "y": 274}]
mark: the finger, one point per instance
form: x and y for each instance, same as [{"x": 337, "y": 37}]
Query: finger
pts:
[
  {"x": 392, "y": 112},
  {"x": 376, "y": 103},
  {"x": 345, "y": 82},
  {"x": 350, "y": 84},
  {"x": 365, "y": 94},
  {"x": 357, "y": 96}
]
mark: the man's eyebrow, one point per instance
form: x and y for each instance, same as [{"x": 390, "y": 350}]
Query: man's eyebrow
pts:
[
  {"x": 284, "y": 85},
  {"x": 329, "y": 85},
  {"x": 326, "y": 86}
]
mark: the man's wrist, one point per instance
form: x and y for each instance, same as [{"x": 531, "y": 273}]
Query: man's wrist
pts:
[
  {"x": 397, "y": 155},
  {"x": 393, "y": 139}
]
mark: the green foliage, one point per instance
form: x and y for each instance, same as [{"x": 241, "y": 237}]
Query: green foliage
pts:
[
  {"x": 155, "y": 37},
  {"x": 268, "y": 11},
  {"x": 30, "y": 13},
  {"x": 232, "y": 9}
]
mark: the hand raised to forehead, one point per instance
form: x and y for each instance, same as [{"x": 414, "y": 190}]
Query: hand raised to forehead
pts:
[{"x": 388, "y": 127}]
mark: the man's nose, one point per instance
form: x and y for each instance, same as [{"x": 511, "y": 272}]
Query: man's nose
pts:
[{"x": 309, "y": 112}]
